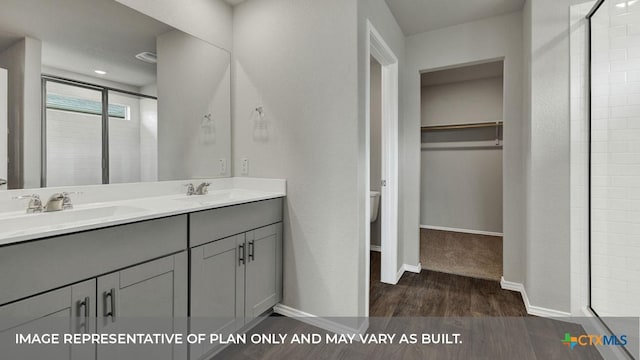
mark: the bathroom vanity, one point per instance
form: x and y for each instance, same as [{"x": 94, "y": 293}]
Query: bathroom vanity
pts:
[{"x": 216, "y": 259}]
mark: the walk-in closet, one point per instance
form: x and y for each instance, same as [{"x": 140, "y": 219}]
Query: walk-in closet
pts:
[{"x": 461, "y": 170}]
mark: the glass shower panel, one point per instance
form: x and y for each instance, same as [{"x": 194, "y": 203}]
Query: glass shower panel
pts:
[
  {"x": 133, "y": 138},
  {"x": 73, "y": 135}
]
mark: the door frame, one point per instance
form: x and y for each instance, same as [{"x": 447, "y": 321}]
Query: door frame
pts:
[{"x": 377, "y": 48}]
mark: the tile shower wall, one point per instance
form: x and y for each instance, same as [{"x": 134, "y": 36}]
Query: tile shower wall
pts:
[{"x": 615, "y": 166}]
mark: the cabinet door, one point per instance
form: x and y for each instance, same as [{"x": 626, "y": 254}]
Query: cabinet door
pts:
[
  {"x": 63, "y": 311},
  {"x": 264, "y": 270},
  {"x": 150, "y": 298},
  {"x": 217, "y": 289}
]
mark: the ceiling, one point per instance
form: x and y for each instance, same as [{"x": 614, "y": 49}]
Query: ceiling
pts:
[
  {"x": 417, "y": 16},
  {"x": 463, "y": 73},
  {"x": 233, "y": 2},
  {"x": 82, "y": 36}
]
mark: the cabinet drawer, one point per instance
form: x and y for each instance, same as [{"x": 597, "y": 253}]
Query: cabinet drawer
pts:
[
  {"x": 211, "y": 225},
  {"x": 38, "y": 266}
]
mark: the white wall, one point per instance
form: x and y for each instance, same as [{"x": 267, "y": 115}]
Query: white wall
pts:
[
  {"x": 461, "y": 188},
  {"x": 194, "y": 80},
  {"x": 297, "y": 60},
  {"x": 547, "y": 164},
  {"x": 23, "y": 62},
  {"x": 209, "y": 20},
  {"x": 479, "y": 41},
  {"x": 376, "y": 142},
  {"x": 378, "y": 14}
]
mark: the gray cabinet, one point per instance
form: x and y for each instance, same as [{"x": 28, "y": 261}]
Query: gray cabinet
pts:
[
  {"x": 264, "y": 270},
  {"x": 235, "y": 265},
  {"x": 35, "y": 267},
  {"x": 233, "y": 281},
  {"x": 64, "y": 311},
  {"x": 217, "y": 289},
  {"x": 147, "y": 298}
]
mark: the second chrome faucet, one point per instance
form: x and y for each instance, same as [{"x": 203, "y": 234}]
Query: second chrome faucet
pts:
[{"x": 202, "y": 189}]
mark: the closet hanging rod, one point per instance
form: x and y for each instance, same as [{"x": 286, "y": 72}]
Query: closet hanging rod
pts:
[
  {"x": 488, "y": 144},
  {"x": 462, "y": 126}
]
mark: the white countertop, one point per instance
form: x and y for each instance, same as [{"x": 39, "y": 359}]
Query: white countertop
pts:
[{"x": 16, "y": 226}]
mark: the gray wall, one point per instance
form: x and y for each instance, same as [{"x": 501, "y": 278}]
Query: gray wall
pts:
[
  {"x": 23, "y": 61},
  {"x": 194, "y": 79},
  {"x": 461, "y": 102},
  {"x": 297, "y": 60},
  {"x": 209, "y": 20},
  {"x": 376, "y": 139},
  {"x": 461, "y": 188},
  {"x": 547, "y": 162}
]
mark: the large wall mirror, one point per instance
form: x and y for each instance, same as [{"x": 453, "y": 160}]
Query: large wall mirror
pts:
[{"x": 98, "y": 93}]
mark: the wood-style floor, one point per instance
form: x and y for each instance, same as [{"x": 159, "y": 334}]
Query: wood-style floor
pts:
[
  {"x": 492, "y": 323},
  {"x": 432, "y": 293},
  {"x": 472, "y": 255}
]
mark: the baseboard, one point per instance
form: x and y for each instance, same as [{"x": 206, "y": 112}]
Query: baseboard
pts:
[
  {"x": 532, "y": 309},
  {"x": 320, "y": 322},
  {"x": 399, "y": 274},
  {"x": 413, "y": 268},
  {"x": 466, "y": 231},
  {"x": 409, "y": 268},
  {"x": 377, "y": 248}
]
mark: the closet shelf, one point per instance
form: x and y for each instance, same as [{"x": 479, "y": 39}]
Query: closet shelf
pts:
[{"x": 462, "y": 126}]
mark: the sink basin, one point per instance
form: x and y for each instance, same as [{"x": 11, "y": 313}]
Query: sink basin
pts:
[
  {"x": 219, "y": 196},
  {"x": 25, "y": 222}
]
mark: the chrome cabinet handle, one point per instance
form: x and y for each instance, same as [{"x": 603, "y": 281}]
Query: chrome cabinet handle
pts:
[
  {"x": 3, "y": 182},
  {"x": 241, "y": 259},
  {"x": 251, "y": 250},
  {"x": 111, "y": 296}
]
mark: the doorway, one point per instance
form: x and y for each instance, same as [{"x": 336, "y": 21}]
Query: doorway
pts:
[
  {"x": 382, "y": 149},
  {"x": 461, "y": 170}
]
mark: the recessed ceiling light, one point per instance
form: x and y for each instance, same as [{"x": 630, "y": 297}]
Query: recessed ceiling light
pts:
[{"x": 100, "y": 72}]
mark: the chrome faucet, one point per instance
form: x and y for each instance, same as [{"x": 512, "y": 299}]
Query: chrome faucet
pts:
[
  {"x": 35, "y": 204},
  {"x": 203, "y": 189},
  {"x": 191, "y": 190},
  {"x": 59, "y": 201}
]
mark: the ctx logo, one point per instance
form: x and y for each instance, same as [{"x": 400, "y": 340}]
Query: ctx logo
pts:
[{"x": 593, "y": 340}]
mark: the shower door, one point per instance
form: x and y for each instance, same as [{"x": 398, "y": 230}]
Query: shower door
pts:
[{"x": 615, "y": 166}]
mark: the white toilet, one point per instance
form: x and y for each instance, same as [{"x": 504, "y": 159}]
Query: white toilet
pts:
[{"x": 375, "y": 205}]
